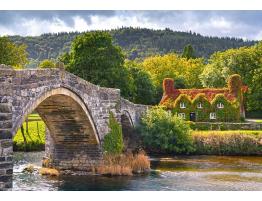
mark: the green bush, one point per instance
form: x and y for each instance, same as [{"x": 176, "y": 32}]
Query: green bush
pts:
[
  {"x": 113, "y": 141},
  {"x": 228, "y": 142},
  {"x": 47, "y": 63},
  {"x": 165, "y": 133}
]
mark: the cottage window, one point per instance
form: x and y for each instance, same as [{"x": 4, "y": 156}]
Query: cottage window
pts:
[
  {"x": 213, "y": 115},
  {"x": 182, "y": 105},
  {"x": 182, "y": 115},
  {"x": 220, "y": 105},
  {"x": 199, "y": 105}
]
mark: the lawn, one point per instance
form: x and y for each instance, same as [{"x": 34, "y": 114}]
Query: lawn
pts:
[{"x": 35, "y": 136}]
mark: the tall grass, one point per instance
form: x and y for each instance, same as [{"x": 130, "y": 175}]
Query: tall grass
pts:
[
  {"x": 124, "y": 164},
  {"x": 228, "y": 142}
]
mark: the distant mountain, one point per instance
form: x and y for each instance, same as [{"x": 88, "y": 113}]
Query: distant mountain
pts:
[{"x": 135, "y": 42}]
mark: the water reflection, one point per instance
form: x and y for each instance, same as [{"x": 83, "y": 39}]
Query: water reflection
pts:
[{"x": 176, "y": 173}]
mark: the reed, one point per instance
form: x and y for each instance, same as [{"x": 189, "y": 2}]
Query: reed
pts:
[{"x": 123, "y": 164}]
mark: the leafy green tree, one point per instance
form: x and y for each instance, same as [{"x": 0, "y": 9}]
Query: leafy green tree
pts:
[
  {"x": 244, "y": 61},
  {"x": 143, "y": 89},
  {"x": 164, "y": 132},
  {"x": 188, "y": 52},
  {"x": 94, "y": 58},
  {"x": 113, "y": 141},
  {"x": 255, "y": 91},
  {"x": 184, "y": 70},
  {"x": 47, "y": 63},
  {"x": 12, "y": 54}
]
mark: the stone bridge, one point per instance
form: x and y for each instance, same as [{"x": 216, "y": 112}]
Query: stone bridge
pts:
[{"x": 75, "y": 112}]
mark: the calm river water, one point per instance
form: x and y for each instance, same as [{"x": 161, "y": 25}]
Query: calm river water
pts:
[{"x": 173, "y": 173}]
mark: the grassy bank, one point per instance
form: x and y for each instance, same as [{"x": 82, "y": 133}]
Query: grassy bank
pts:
[
  {"x": 240, "y": 142},
  {"x": 34, "y": 136}
]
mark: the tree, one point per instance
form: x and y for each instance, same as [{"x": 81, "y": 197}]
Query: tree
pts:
[
  {"x": 94, "y": 58},
  {"x": 12, "y": 54},
  {"x": 113, "y": 141},
  {"x": 188, "y": 52},
  {"x": 255, "y": 91},
  {"x": 173, "y": 66},
  {"x": 245, "y": 61},
  {"x": 143, "y": 89},
  {"x": 47, "y": 63}
]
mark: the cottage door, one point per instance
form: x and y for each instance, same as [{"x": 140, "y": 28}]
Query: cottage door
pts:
[{"x": 192, "y": 116}]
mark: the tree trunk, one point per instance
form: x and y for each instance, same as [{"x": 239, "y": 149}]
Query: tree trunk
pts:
[{"x": 23, "y": 134}]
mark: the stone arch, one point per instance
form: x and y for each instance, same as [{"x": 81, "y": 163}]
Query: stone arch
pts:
[
  {"x": 128, "y": 130},
  {"x": 59, "y": 100},
  {"x": 72, "y": 138}
]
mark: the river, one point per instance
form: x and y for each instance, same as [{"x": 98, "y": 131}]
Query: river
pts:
[{"x": 188, "y": 173}]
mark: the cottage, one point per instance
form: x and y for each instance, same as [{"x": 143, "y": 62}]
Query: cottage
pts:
[{"x": 207, "y": 104}]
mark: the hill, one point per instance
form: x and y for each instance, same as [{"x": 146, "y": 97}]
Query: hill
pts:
[{"x": 136, "y": 43}]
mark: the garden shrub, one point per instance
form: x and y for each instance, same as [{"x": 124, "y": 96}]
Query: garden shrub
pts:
[
  {"x": 163, "y": 132},
  {"x": 113, "y": 141}
]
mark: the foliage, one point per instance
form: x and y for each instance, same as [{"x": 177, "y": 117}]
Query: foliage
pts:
[
  {"x": 188, "y": 52},
  {"x": 255, "y": 91},
  {"x": 228, "y": 142},
  {"x": 165, "y": 133},
  {"x": 12, "y": 54},
  {"x": 202, "y": 114},
  {"x": 144, "y": 91},
  {"x": 175, "y": 67},
  {"x": 136, "y": 42},
  {"x": 113, "y": 141},
  {"x": 47, "y": 63},
  {"x": 230, "y": 111},
  {"x": 244, "y": 61},
  {"x": 94, "y": 58},
  {"x": 182, "y": 98},
  {"x": 35, "y": 140}
]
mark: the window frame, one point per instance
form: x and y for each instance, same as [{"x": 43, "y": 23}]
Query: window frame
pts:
[
  {"x": 220, "y": 105},
  {"x": 182, "y": 105},
  {"x": 201, "y": 105},
  {"x": 181, "y": 115},
  {"x": 212, "y": 115}
]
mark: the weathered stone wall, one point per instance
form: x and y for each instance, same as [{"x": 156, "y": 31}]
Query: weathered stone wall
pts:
[
  {"x": 225, "y": 126},
  {"x": 130, "y": 118},
  {"x": 133, "y": 111},
  {"x": 6, "y": 144}
]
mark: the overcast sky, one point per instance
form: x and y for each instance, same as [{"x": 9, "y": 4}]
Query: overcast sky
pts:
[{"x": 243, "y": 24}]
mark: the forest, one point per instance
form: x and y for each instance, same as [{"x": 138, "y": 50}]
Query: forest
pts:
[{"x": 136, "y": 43}]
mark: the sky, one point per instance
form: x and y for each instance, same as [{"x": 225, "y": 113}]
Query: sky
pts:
[{"x": 240, "y": 24}]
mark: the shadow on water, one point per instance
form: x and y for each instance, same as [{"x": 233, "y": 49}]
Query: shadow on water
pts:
[{"x": 173, "y": 173}]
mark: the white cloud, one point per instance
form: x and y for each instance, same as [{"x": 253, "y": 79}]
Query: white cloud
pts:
[{"x": 210, "y": 24}]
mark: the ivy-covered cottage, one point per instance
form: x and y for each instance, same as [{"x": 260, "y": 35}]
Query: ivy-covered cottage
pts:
[{"x": 207, "y": 104}]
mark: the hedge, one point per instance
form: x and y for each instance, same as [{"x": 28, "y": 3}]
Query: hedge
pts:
[{"x": 227, "y": 142}]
